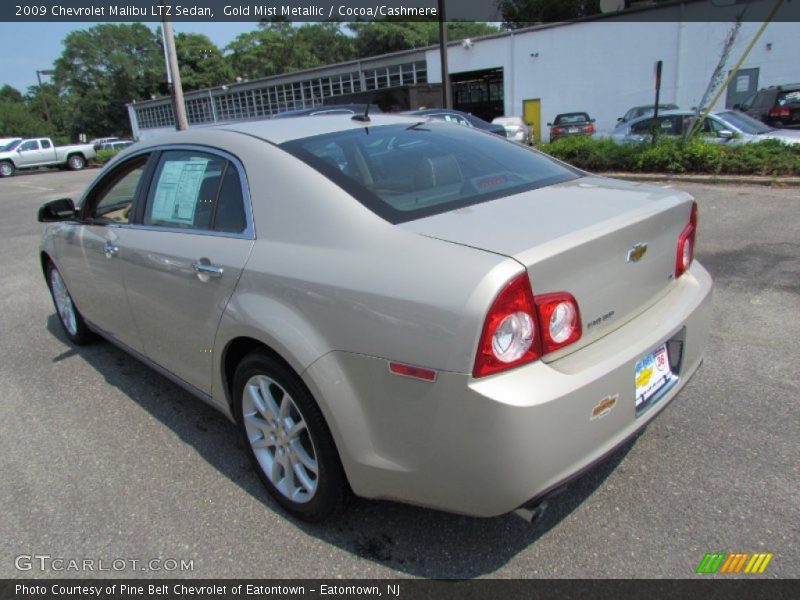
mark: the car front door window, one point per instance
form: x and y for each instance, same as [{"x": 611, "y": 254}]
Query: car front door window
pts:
[{"x": 114, "y": 200}]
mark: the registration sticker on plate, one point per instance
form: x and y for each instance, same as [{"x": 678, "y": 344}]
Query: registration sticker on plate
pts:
[{"x": 651, "y": 375}]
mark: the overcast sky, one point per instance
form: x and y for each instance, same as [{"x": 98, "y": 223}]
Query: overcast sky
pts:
[{"x": 26, "y": 47}]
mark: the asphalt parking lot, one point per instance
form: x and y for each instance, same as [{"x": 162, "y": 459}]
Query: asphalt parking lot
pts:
[{"x": 102, "y": 458}]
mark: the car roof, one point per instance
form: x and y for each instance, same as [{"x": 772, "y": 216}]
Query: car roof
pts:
[
  {"x": 278, "y": 131},
  {"x": 577, "y": 112}
]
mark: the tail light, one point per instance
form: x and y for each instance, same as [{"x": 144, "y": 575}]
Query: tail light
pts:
[
  {"x": 778, "y": 112},
  {"x": 521, "y": 327},
  {"x": 589, "y": 128},
  {"x": 686, "y": 244},
  {"x": 559, "y": 319},
  {"x": 557, "y": 130}
]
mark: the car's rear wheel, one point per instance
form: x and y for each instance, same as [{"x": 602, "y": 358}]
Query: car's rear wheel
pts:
[
  {"x": 287, "y": 439},
  {"x": 76, "y": 162},
  {"x": 68, "y": 314},
  {"x": 6, "y": 169}
]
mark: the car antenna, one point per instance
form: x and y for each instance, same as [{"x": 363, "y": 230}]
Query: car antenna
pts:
[{"x": 365, "y": 117}]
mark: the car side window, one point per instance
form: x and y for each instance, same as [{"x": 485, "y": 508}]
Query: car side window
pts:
[
  {"x": 29, "y": 145},
  {"x": 45, "y": 144},
  {"x": 197, "y": 191},
  {"x": 114, "y": 198},
  {"x": 748, "y": 103},
  {"x": 229, "y": 215}
]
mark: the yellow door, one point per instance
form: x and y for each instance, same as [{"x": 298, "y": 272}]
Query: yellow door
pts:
[{"x": 532, "y": 114}]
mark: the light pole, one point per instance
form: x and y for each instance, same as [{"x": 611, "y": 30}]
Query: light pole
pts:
[
  {"x": 44, "y": 100},
  {"x": 447, "y": 94},
  {"x": 181, "y": 124}
]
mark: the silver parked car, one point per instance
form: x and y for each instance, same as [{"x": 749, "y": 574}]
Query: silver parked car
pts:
[
  {"x": 721, "y": 127},
  {"x": 401, "y": 307},
  {"x": 516, "y": 129}
]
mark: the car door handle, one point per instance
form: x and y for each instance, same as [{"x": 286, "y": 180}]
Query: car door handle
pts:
[
  {"x": 110, "y": 250},
  {"x": 207, "y": 269}
]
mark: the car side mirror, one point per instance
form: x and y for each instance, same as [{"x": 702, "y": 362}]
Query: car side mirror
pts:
[
  {"x": 737, "y": 107},
  {"x": 549, "y": 124},
  {"x": 19, "y": 150},
  {"x": 619, "y": 118},
  {"x": 592, "y": 120},
  {"x": 725, "y": 133},
  {"x": 62, "y": 209}
]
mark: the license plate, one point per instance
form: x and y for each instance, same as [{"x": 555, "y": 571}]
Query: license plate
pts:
[
  {"x": 574, "y": 129},
  {"x": 652, "y": 374}
]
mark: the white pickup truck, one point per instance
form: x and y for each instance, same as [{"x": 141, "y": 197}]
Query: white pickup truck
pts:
[{"x": 40, "y": 152}]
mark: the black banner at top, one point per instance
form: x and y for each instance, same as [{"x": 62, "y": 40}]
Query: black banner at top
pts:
[{"x": 370, "y": 10}]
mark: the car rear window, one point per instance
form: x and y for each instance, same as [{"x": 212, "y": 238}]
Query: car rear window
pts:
[
  {"x": 406, "y": 172},
  {"x": 744, "y": 123},
  {"x": 789, "y": 97},
  {"x": 571, "y": 118}
]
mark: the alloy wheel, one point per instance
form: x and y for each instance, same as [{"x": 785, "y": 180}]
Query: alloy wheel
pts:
[
  {"x": 64, "y": 306},
  {"x": 279, "y": 438}
]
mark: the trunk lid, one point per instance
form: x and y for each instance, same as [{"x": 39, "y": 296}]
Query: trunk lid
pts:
[{"x": 576, "y": 237}]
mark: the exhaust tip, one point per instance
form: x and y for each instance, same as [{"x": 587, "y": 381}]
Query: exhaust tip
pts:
[{"x": 533, "y": 513}]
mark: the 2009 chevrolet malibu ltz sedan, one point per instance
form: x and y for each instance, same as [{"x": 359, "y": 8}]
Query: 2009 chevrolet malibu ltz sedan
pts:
[{"x": 393, "y": 306}]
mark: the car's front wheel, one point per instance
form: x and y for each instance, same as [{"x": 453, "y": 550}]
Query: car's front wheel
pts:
[
  {"x": 6, "y": 168},
  {"x": 68, "y": 314},
  {"x": 287, "y": 439}
]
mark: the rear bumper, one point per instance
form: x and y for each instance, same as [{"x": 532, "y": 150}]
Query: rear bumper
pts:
[{"x": 485, "y": 447}]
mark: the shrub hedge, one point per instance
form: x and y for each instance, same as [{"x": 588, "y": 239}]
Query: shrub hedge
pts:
[{"x": 770, "y": 157}]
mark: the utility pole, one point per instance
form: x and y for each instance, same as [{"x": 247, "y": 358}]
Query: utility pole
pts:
[
  {"x": 659, "y": 65},
  {"x": 447, "y": 93},
  {"x": 44, "y": 100},
  {"x": 181, "y": 124}
]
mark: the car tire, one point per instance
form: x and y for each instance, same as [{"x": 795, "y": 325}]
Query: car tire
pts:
[
  {"x": 6, "y": 168},
  {"x": 76, "y": 162},
  {"x": 287, "y": 439},
  {"x": 68, "y": 314}
]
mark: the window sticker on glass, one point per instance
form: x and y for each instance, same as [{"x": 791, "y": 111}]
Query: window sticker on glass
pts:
[{"x": 175, "y": 199}]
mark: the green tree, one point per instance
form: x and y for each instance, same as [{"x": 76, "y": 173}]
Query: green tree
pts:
[
  {"x": 278, "y": 47},
  {"x": 57, "y": 106},
  {"x": 102, "y": 69},
  {"x": 10, "y": 94},
  {"x": 17, "y": 120},
  {"x": 202, "y": 64},
  {"x": 524, "y": 13}
]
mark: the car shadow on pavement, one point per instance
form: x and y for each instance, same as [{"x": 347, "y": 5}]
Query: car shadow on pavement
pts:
[{"x": 411, "y": 540}]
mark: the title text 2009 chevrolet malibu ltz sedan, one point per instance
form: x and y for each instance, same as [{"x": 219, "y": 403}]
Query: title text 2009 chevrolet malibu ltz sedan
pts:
[{"x": 403, "y": 308}]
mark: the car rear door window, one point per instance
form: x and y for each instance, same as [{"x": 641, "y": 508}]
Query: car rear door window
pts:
[
  {"x": 197, "y": 191},
  {"x": 229, "y": 215}
]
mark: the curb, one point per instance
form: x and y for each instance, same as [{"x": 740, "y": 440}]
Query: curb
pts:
[{"x": 711, "y": 179}]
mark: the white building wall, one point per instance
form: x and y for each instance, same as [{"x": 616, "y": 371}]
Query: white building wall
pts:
[{"x": 604, "y": 67}]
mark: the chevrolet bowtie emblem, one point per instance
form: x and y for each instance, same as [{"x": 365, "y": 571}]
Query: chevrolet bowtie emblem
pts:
[{"x": 636, "y": 252}]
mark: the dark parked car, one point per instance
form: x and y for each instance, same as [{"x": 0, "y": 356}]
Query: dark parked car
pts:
[
  {"x": 461, "y": 118},
  {"x": 641, "y": 111},
  {"x": 333, "y": 109},
  {"x": 777, "y": 105},
  {"x": 569, "y": 124}
]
